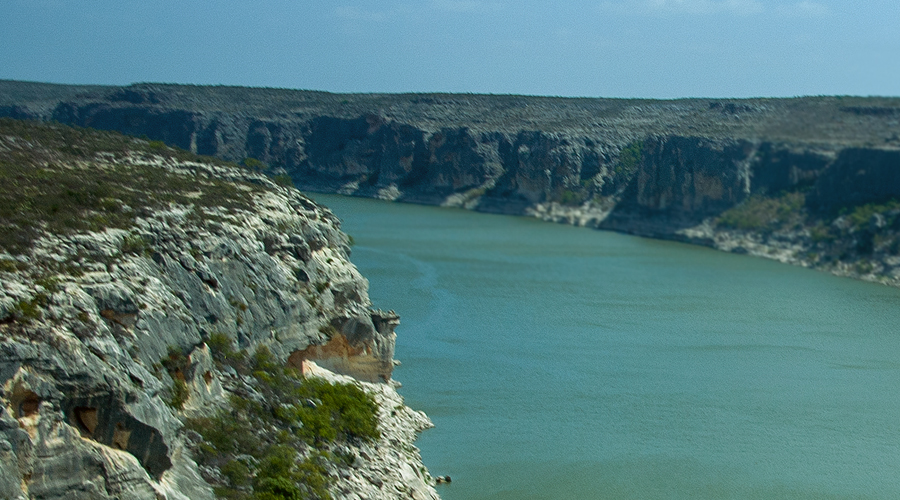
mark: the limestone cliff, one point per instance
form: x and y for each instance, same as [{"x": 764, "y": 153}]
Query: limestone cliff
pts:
[
  {"x": 127, "y": 269},
  {"x": 697, "y": 170}
]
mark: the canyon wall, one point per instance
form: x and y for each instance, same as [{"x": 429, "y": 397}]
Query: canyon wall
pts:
[
  {"x": 666, "y": 169},
  {"x": 149, "y": 297}
]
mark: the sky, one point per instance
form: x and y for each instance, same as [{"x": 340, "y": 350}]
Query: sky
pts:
[{"x": 603, "y": 48}]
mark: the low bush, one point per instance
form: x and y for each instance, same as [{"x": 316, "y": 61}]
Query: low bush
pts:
[
  {"x": 222, "y": 349},
  {"x": 287, "y": 429},
  {"x": 820, "y": 233},
  {"x": 629, "y": 158},
  {"x": 861, "y": 215},
  {"x": 180, "y": 394},
  {"x": 760, "y": 212},
  {"x": 26, "y": 311},
  {"x": 569, "y": 197},
  {"x": 283, "y": 180},
  {"x": 254, "y": 164},
  {"x": 176, "y": 363},
  {"x": 135, "y": 244},
  {"x": 11, "y": 266}
]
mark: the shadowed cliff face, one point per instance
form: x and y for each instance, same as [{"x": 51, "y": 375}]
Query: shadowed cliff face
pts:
[
  {"x": 174, "y": 127},
  {"x": 858, "y": 176},
  {"x": 539, "y": 166},
  {"x": 688, "y": 178},
  {"x": 779, "y": 168},
  {"x": 493, "y": 154},
  {"x": 655, "y": 168}
]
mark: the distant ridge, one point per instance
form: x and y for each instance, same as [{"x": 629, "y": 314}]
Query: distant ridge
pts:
[{"x": 765, "y": 176}]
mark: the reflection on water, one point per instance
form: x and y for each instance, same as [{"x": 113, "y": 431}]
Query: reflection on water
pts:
[{"x": 559, "y": 362}]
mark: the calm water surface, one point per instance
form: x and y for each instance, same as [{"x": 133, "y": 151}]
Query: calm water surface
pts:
[{"x": 559, "y": 362}]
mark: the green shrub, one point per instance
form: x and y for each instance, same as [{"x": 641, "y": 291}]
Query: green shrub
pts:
[
  {"x": 223, "y": 352},
  {"x": 226, "y": 434},
  {"x": 29, "y": 310},
  {"x": 860, "y": 215},
  {"x": 135, "y": 244},
  {"x": 49, "y": 283},
  {"x": 629, "y": 158},
  {"x": 293, "y": 413},
  {"x": 760, "y": 212},
  {"x": 237, "y": 473},
  {"x": 283, "y": 180},
  {"x": 821, "y": 233},
  {"x": 570, "y": 197},
  {"x": 277, "y": 488},
  {"x": 11, "y": 266},
  {"x": 175, "y": 361},
  {"x": 180, "y": 394},
  {"x": 282, "y": 476},
  {"x": 254, "y": 164},
  {"x": 26, "y": 311},
  {"x": 327, "y": 412},
  {"x": 351, "y": 410},
  {"x": 864, "y": 267}
]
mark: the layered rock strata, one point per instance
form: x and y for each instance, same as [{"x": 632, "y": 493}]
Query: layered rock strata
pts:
[
  {"x": 90, "y": 314},
  {"x": 667, "y": 169}
]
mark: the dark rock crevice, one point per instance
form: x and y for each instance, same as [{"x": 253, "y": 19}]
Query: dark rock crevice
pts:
[{"x": 104, "y": 419}]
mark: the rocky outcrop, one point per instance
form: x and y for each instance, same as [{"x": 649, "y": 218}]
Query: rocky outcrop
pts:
[
  {"x": 106, "y": 327},
  {"x": 392, "y": 466},
  {"x": 655, "y": 168}
]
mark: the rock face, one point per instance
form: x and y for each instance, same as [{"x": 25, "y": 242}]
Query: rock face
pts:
[
  {"x": 91, "y": 408},
  {"x": 666, "y": 169},
  {"x": 858, "y": 176},
  {"x": 681, "y": 181}
]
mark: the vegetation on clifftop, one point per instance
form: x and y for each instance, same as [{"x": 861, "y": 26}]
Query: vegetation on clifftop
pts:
[
  {"x": 59, "y": 179},
  {"x": 848, "y": 118}
]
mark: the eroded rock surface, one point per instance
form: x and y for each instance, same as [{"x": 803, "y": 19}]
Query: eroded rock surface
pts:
[{"x": 91, "y": 403}]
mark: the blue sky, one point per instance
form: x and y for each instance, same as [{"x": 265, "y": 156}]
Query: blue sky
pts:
[{"x": 604, "y": 48}]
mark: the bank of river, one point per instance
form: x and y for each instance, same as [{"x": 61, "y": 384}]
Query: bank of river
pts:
[{"x": 560, "y": 362}]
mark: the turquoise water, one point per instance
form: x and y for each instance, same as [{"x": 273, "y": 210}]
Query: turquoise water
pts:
[{"x": 559, "y": 362}]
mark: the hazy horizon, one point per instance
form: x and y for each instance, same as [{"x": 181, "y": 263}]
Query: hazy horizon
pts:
[
  {"x": 462, "y": 93},
  {"x": 656, "y": 49}
]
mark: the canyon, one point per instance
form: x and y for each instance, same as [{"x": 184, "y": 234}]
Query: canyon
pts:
[{"x": 812, "y": 181}]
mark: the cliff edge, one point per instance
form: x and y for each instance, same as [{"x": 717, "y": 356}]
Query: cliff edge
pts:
[
  {"x": 810, "y": 180},
  {"x": 173, "y": 326}
]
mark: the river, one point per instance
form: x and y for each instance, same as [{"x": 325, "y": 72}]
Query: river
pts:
[{"x": 567, "y": 363}]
